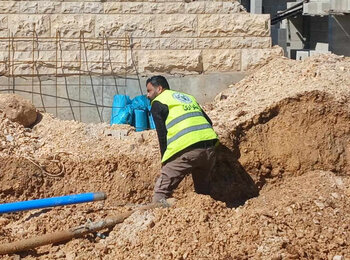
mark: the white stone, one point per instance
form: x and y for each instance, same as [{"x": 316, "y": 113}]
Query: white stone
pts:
[
  {"x": 49, "y": 7},
  {"x": 163, "y": 8},
  {"x": 195, "y": 7},
  {"x": 170, "y": 61},
  {"x": 9, "y": 7},
  {"x": 113, "y": 7},
  {"x": 121, "y": 26},
  {"x": 4, "y": 32},
  {"x": 239, "y": 24},
  {"x": 93, "y": 8},
  {"x": 251, "y": 42},
  {"x": 213, "y": 7},
  {"x": 213, "y": 43},
  {"x": 132, "y": 8},
  {"x": 72, "y": 7},
  {"x": 23, "y": 25},
  {"x": 70, "y": 26},
  {"x": 176, "y": 44},
  {"x": 154, "y": 8},
  {"x": 176, "y": 26},
  {"x": 28, "y": 7},
  {"x": 221, "y": 60},
  {"x": 231, "y": 7},
  {"x": 253, "y": 57},
  {"x": 150, "y": 43}
]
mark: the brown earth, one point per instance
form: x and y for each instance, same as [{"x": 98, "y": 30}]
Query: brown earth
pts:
[
  {"x": 284, "y": 133},
  {"x": 18, "y": 109}
]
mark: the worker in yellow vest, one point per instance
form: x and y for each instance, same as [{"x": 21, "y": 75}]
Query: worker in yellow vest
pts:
[{"x": 186, "y": 138}]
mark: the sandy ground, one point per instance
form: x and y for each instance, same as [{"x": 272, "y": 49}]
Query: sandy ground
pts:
[{"x": 280, "y": 188}]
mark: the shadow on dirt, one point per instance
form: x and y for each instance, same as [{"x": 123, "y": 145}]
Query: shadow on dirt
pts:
[{"x": 230, "y": 182}]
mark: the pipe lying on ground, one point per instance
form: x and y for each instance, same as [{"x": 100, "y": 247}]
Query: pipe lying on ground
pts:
[
  {"x": 51, "y": 202},
  {"x": 69, "y": 234}
]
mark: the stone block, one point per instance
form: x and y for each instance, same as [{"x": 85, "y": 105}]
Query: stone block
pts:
[
  {"x": 176, "y": 26},
  {"x": 167, "y": 43},
  {"x": 113, "y": 7},
  {"x": 212, "y": 43},
  {"x": 252, "y": 58},
  {"x": 176, "y": 44},
  {"x": 169, "y": 61},
  {"x": 4, "y": 32},
  {"x": 4, "y": 46},
  {"x": 213, "y": 7},
  {"x": 23, "y": 46},
  {"x": 24, "y": 56},
  {"x": 9, "y": 7},
  {"x": 70, "y": 26},
  {"x": 4, "y": 55},
  {"x": 45, "y": 7},
  {"x": 221, "y": 60},
  {"x": 163, "y": 8},
  {"x": 316, "y": 52},
  {"x": 150, "y": 43},
  {"x": 251, "y": 42},
  {"x": 183, "y": 43},
  {"x": 27, "y": 7},
  {"x": 231, "y": 7},
  {"x": 72, "y": 8},
  {"x": 195, "y": 7},
  {"x": 154, "y": 8},
  {"x": 71, "y": 45},
  {"x": 24, "y": 25},
  {"x": 302, "y": 55},
  {"x": 133, "y": 7},
  {"x": 240, "y": 24},
  {"x": 93, "y": 8},
  {"x": 46, "y": 56},
  {"x": 23, "y": 69},
  {"x": 122, "y": 25}
]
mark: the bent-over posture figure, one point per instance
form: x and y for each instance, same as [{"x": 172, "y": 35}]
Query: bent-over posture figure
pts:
[{"x": 186, "y": 139}]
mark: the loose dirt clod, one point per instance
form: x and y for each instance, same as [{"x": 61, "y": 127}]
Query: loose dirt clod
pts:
[
  {"x": 280, "y": 189},
  {"x": 18, "y": 109}
]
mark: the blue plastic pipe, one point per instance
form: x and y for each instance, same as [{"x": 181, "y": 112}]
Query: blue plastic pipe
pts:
[{"x": 52, "y": 202}]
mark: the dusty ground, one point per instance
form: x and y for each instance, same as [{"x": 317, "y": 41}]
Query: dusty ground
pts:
[{"x": 285, "y": 134}]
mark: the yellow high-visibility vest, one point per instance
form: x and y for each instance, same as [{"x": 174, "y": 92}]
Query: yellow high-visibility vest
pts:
[{"x": 185, "y": 123}]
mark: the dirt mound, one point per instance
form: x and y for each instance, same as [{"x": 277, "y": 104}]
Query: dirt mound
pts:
[
  {"x": 18, "y": 109},
  {"x": 284, "y": 132},
  {"x": 288, "y": 117}
]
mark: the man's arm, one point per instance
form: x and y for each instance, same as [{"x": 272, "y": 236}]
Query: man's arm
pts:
[{"x": 160, "y": 113}]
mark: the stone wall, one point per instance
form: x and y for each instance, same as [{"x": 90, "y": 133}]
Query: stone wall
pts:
[{"x": 175, "y": 37}]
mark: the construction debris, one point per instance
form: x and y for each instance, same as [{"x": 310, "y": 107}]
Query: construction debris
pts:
[{"x": 284, "y": 131}]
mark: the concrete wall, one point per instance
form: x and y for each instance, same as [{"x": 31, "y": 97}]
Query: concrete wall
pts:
[
  {"x": 339, "y": 34},
  {"x": 89, "y": 98},
  {"x": 170, "y": 37},
  {"x": 87, "y": 51}
]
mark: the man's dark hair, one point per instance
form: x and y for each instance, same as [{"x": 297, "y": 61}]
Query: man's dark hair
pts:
[{"x": 157, "y": 81}]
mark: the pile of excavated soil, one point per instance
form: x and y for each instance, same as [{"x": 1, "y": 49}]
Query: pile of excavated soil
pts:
[{"x": 284, "y": 132}]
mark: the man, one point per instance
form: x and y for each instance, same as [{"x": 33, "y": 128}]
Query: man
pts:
[{"x": 186, "y": 139}]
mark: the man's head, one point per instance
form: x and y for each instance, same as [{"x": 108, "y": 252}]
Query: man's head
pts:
[{"x": 156, "y": 85}]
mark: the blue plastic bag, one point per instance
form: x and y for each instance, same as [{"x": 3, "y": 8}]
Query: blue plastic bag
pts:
[{"x": 140, "y": 103}]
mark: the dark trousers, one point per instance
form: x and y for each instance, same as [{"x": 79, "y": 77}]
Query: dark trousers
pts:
[{"x": 199, "y": 162}]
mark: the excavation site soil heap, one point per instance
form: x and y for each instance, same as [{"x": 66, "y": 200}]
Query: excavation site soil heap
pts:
[{"x": 280, "y": 188}]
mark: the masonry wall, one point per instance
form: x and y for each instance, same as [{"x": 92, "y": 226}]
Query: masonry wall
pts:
[
  {"x": 339, "y": 34},
  {"x": 71, "y": 57},
  {"x": 172, "y": 36}
]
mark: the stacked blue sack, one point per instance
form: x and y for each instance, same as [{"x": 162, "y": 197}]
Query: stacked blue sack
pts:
[{"x": 135, "y": 112}]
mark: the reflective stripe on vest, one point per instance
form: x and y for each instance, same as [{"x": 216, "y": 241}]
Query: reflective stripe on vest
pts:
[
  {"x": 183, "y": 117},
  {"x": 185, "y": 123},
  {"x": 187, "y": 130}
]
